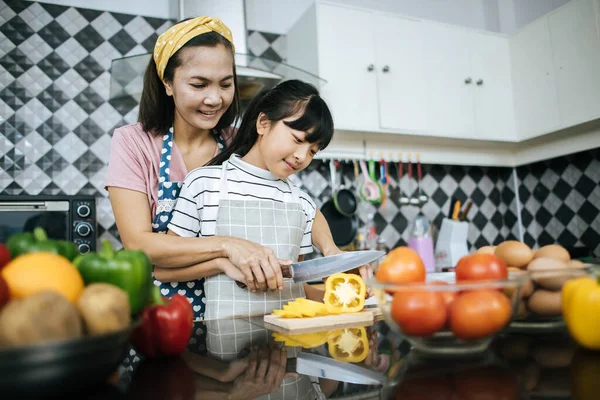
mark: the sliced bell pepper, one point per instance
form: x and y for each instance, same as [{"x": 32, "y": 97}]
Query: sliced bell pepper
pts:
[
  {"x": 28, "y": 242},
  {"x": 348, "y": 345},
  {"x": 166, "y": 326},
  {"x": 305, "y": 340},
  {"x": 344, "y": 293},
  {"x": 581, "y": 311},
  {"x": 300, "y": 308},
  {"x": 131, "y": 270}
]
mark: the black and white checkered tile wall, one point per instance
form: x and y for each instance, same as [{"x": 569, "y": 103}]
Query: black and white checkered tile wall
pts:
[
  {"x": 56, "y": 123},
  {"x": 493, "y": 214},
  {"x": 56, "y": 119},
  {"x": 561, "y": 201}
]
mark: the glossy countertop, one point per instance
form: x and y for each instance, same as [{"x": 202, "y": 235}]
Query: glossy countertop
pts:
[{"x": 252, "y": 361}]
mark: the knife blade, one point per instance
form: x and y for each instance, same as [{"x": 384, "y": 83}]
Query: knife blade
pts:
[
  {"x": 324, "y": 367},
  {"x": 318, "y": 268}
]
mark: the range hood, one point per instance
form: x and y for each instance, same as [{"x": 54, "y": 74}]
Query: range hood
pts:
[{"x": 254, "y": 73}]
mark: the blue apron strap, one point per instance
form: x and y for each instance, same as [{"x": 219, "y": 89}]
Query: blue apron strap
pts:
[{"x": 164, "y": 174}]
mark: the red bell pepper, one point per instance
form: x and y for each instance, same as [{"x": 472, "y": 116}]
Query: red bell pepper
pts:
[
  {"x": 166, "y": 326},
  {"x": 4, "y": 292},
  {"x": 4, "y": 255}
]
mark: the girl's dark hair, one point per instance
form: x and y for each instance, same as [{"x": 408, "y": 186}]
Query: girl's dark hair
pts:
[
  {"x": 157, "y": 110},
  {"x": 287, "y": 99}
]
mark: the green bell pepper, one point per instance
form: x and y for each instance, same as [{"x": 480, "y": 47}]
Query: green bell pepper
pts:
[
  {"x": 131, "y": 270},
  {"x": 36, "y": 242}
]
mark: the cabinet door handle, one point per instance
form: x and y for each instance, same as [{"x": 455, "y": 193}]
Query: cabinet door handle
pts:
[
  {"x": 479, "y": 82},
  {"x": 468, "y": 81},
  {"x": 386, "y": 68},
  {"x": 370, "y": 67}
]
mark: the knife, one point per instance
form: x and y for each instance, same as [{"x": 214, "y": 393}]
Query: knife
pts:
[
  {"x": 324, "y": 367},
  {"x": 318, "y": 268}
]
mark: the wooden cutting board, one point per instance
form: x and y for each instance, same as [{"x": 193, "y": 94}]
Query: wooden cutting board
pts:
[{"x": 324, "y": 323}]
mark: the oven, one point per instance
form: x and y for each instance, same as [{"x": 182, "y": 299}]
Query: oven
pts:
[{"x": 71, "y": 218}]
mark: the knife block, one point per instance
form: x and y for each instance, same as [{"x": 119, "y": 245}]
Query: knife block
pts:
[{"x": 451, "y": 244}]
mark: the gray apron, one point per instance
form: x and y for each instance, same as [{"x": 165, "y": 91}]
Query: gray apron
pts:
[{"x": 279, "y": 226}]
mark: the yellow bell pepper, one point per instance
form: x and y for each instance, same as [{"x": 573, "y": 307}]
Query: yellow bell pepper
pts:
[
  {"x": 344, "y": 293},
  {"x": 581, "y": 311},
  {"x": 348, "y": 345}
]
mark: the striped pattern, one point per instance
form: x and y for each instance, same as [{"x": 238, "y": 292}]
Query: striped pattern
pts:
[{"x": 196, "y": 211}]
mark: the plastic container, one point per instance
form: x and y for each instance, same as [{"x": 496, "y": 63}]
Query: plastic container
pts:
[
  {"x": 443, "y": 342},
  {"x": 420, "y": 240}
]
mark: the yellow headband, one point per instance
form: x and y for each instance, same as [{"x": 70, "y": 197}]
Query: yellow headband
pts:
[{"x": 178, "y": 35}]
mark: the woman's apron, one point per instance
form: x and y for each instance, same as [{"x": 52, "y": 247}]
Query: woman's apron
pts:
[
  {"x": 168, "y": 192},
  {"x": 280, "y": 226}
]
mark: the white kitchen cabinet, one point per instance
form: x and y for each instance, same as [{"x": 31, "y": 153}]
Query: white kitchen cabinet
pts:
[
  {"x": 576, "y": 59},
  {"x": 447, "y": 71},
  {"x": 401, "y": 81},
  {"x": 346, "y": 55},
  {"x": 534, "y": 87},
  {"x": 492, "y": 87}
]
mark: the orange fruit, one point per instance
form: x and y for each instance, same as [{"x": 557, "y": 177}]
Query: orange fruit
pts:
[
  {"x": 401, "y": 265},
  {"x": 34, "y": 272}
]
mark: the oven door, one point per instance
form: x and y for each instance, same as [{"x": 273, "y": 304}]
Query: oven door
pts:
[{"x": 23, "y": 216}]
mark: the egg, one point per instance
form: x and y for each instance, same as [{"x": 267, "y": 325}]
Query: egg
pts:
[
  {"x": 549, "y": 273},
  {"x": 486, "y": 250},
  {"x": 575, "y": 264},
  {"x": 514, "y": 253},
  {"x": 545, "y": 303},
  {"x": 553, "y": 251}
]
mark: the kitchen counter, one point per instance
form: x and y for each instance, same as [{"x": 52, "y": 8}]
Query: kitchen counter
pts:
[{"x": 515, "y": 367}]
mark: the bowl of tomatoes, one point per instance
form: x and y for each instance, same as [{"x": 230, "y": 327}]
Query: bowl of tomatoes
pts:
[{"x": 447, "y": 313}]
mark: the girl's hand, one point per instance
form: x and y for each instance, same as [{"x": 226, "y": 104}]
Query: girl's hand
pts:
[{"x": 258, "y": 264}]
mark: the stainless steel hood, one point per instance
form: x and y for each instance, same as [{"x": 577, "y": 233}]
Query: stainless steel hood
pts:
[{"x": 254, "y": 73}]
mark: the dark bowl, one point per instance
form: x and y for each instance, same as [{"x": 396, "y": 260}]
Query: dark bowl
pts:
[{"x": 60, "y": 367}]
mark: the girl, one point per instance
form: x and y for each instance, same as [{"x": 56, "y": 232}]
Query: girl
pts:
[
  {"x": 189, "y": 101},
  {"x": 249, "y": 196}
]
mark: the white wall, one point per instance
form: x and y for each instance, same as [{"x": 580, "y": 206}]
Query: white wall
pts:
[
  {"x": 515, "y": 14},
  {"x": 149, "y": 8},
  {"x": 276, "y": 16}
]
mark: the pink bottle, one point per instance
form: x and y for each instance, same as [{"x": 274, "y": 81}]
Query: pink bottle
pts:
[{"x": 420, "y": 241}]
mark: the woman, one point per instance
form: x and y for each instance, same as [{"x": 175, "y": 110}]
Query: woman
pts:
[{"x": 189, "y": 101}]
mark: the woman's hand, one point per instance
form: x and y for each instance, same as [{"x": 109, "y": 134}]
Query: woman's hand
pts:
[
  {"x": 259, "y": 265},
  {"x": 265, "y": 373}
]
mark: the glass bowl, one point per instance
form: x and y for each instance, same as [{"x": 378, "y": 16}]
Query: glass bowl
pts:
[
  {"x": 475, "y": 331},
  {"x": 540, "y": 311}
]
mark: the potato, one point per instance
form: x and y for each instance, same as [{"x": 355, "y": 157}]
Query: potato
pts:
[
  {"x": 553, "y": 251},
  {"x": 545, "y": 303},
  {"x": 514, "y": 253},
  {"x": 104, "y": 308},
  {"x": 44, "y": 316}
]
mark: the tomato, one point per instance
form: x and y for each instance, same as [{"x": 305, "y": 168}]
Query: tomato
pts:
[
  {"x": 419, "y": 313},
  {"x": 490, "y": 383},
  {"x": 479, "y": 313},
  {"x": 401, "y": 265},
  {"x": 448, "y": 296},
  {"x": 480, "y": 266}
]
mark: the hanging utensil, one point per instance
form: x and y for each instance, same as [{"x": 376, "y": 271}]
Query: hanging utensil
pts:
[
  {"x": 413, "y": 200},
  {"x": 344, "y": 199},
  {"x": 422, "y": 197},
  {"x": 369, "y": 190},
  {"x": 403, "y": 199},
  {"x": 384, "y": 181}
]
